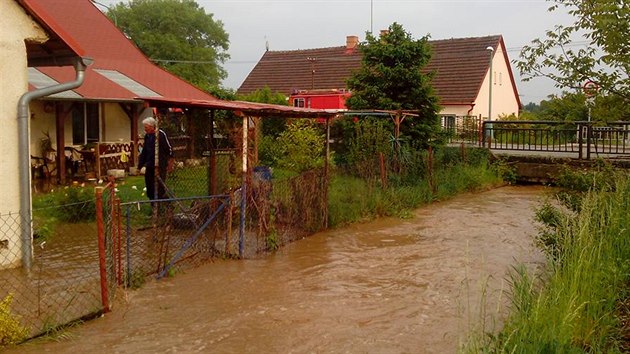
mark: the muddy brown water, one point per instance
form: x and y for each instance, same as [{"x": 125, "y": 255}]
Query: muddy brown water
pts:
[{"x": 414, "y": 285}]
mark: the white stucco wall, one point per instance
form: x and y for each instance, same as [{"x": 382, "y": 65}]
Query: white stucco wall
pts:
[
  {"x": 456, "y": 110},
  {"x": 16, "y": 27},
  {"x": 117, "y": 125},
  {"x": 504, "y": 100}
]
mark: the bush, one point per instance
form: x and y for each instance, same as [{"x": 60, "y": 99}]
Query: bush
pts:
[
  {"x": 76, "y": 206},
  {"x": 299, "y": 148},
  {"x": 11, "y": 331}
]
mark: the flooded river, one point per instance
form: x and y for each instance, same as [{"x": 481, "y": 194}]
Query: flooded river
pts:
[{"x": 414, "y": 285}]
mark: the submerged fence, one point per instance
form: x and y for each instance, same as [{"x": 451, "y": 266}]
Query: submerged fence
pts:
[
  {"x": 62, "y": 284},
  {"x": 87, "y": 247}
]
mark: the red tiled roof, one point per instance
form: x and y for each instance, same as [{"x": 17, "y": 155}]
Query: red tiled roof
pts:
[
  {"x": 111, "y": 51},
  {"x": 60, "y": 49},
  {"x": 285, "y": 71},
  {"x": 460, "y": 65}
]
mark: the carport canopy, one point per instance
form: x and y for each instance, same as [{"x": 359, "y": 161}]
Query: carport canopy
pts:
[{"x": 242, "y": 108}]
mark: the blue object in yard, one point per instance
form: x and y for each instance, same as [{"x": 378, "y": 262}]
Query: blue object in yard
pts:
[{"x": 262, "y": 173}]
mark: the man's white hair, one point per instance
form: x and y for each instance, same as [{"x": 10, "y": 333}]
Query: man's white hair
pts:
[{"x": 150, "y": 121}]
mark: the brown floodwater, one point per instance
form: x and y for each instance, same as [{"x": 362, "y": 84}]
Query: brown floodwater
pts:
[{"x": 416, "y": 285}]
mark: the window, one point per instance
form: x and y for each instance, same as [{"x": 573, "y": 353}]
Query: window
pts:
[
  {"x": 298, "y": 102},
  {"x": 85, "y": 123}
]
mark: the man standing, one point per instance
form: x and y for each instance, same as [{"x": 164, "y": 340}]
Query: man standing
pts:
[{"x": 147, "y": 158}]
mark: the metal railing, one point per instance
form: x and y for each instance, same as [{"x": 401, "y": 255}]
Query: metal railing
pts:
[{"x": 580, "y": 138}]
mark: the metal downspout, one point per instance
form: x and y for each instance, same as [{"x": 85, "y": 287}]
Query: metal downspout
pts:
[{"x": 24, "y": 151}]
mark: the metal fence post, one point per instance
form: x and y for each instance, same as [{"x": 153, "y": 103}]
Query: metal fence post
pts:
[
  {"x": 589, "y": 137},
  {"x": 100, "y": 226},
  {"x": 128, "y": 250},
  {"x": 580, "y": 128}
]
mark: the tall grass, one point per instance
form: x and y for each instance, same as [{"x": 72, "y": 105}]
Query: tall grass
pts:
[
  {"x": 573, "y": 306},
  {"x": 353, "y": 199}
]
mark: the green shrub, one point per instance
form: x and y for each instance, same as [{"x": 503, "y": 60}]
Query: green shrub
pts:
[
  {"x": 76, "y": 205},
  {"x": 11, "y": 331},
  {"x": 299, "y": 148}
]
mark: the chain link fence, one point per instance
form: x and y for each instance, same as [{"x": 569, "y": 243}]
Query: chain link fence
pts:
[
  {"x": 62, "y": 283},
  {"x": 87, "y": 245}
]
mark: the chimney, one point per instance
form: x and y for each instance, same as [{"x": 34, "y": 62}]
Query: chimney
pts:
[
  {"x": 351, "y": 42},
  {"x": 384, "y": 32}
]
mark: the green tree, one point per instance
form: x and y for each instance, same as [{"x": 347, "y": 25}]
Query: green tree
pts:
[
  {"x": 271, "y": 126},
  {"x": 179, "y": 35},
  {"x": 604, "y": 59},
  {"x": 569, "y": 107},
  {"x": 300, "y": 147},
  {"x": 574, "y": 107},
  {"x": 390, "y": 78}
]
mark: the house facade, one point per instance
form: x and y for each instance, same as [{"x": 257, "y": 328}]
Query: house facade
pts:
[
  {"x": 108, "y": 108},
  {"x": 461, "y": 82},
  {"x": 24, "y": 40}
]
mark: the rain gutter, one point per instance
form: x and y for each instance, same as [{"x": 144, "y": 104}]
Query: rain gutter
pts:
[{"x": 26, "y": 212}]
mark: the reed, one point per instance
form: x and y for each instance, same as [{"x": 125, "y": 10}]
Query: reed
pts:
[{"x": 573, "y": 307}]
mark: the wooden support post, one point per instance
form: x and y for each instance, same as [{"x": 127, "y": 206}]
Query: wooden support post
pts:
[
  {"x": 212, "y": 158},
  {"x": 134, "y": 137},
  {"x": 59, "y": 136}
]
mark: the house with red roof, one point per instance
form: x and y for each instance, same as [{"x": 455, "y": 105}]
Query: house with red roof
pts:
[
  {"x": 107, "y": 108},
  {"x": 317, "y": 77},
  {"x": 70, "y": 76},
  {"x": 25, "y": 40}
]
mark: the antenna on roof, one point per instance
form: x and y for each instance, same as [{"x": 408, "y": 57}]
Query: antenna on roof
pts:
[{"x": 266, "y": 44}]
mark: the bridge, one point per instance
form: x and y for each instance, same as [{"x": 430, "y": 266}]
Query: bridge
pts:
[{"x": 539, "y": 150}]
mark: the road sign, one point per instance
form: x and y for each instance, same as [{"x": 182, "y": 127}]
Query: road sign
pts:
[{"x": 590, "y": 88}]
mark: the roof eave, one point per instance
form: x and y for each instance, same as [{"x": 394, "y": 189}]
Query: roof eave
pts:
[{"x": 60, "y": 50}]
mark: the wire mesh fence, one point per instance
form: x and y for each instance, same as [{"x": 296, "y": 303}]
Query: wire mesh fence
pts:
[
  {"x": 62, "y": 283},
  {"x": 163, "y": 237},
  {"x": 87, "y": 245}
]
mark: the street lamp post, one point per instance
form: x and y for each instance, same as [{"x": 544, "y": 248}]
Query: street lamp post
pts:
[
  {"x": 491, "y": 133},
  {"x": 110, "y": 10}
]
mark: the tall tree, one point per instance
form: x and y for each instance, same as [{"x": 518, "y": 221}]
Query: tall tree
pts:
[
  {"x": 604, "y": 59},
  {"x": 390, "y": 78},
  {"x": 179, "y": 36}
]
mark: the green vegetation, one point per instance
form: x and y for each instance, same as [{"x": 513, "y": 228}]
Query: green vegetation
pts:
[
  {"x": 11, "y": 331},
  {"x": 575, "y": 305},
  {"x": 173, "y": 32},
  {"x": 299, "y": 148},
  {"x": 353, "y": 199},
  {"x": 391, "y": 78},
  {"x": 603, "y": 60}
]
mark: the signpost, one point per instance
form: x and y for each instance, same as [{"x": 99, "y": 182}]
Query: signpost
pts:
[{"x": 590, "y": 89}]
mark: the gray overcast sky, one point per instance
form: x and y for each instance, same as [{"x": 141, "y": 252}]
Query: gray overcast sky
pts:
[{"x": 305, "y": 24}]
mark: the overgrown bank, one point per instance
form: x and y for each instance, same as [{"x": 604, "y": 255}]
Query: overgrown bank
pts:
[
  {"x": 580, "y": 302},
  {"x": 430, "y": 176}
]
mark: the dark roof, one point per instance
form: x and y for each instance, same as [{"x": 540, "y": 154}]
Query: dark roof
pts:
[
  {"x": 285, "y": 71},
  {"x": 460, "y": 65},
  {"x": 120, "y": 71}
]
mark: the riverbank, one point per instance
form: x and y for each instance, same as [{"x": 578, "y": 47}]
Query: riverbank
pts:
[{"x": 580, "y": 303}]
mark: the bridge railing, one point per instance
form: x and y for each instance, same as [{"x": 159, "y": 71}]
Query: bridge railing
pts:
[{"x": 580, "y": 138}]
